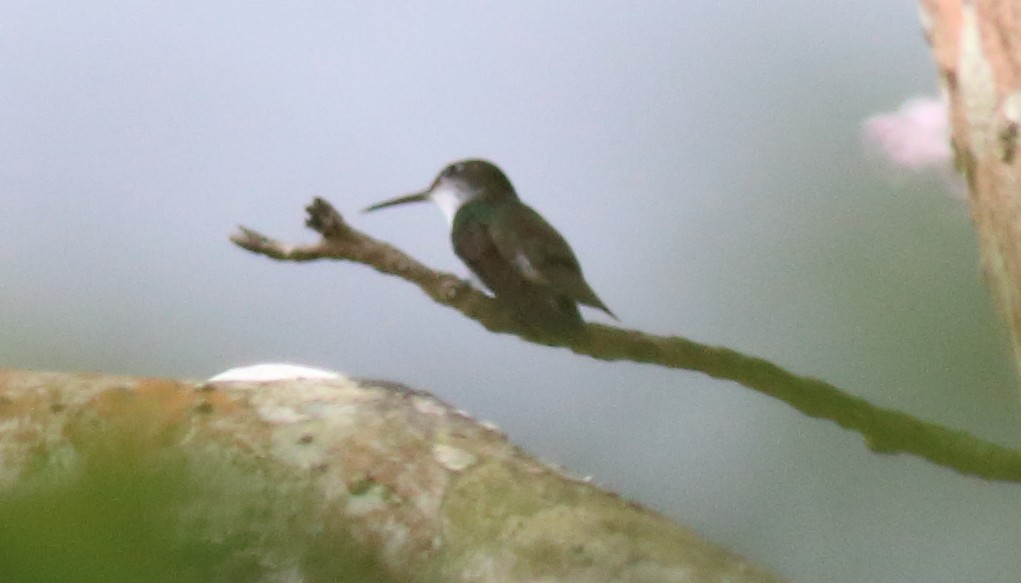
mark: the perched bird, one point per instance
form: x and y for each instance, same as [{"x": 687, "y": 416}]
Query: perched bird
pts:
[{"x": 524, "y": 261}]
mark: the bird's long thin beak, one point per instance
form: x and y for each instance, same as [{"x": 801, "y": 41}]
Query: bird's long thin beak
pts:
[{"x": 417, "y": 197}]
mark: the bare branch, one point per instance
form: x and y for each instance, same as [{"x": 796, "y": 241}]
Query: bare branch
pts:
[{"x": 884, "y": 430}]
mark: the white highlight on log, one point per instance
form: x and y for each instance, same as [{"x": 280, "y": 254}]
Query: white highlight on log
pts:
[{"x": 273, "y": 371}]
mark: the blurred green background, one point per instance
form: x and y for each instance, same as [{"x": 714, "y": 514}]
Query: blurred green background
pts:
[{"x": 703, "y": 158}]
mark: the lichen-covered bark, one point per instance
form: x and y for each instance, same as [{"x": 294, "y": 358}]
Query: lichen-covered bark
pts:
[
  {"x": 977, "y": 49},
  {"x": 314, "y": 480}
]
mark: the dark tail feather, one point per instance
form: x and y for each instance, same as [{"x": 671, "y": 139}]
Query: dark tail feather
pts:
[
  {"x": 597, "y": 303},
  {"x": 603, "y": 307}
]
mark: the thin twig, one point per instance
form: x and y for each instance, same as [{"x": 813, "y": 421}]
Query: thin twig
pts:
[{"x": 884, "y": 430}]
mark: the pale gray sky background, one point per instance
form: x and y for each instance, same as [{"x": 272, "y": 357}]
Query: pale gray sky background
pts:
[{"x": 704, "y": 159}]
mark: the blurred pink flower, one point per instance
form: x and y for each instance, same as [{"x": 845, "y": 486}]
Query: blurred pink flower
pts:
[{"x": 916, "y": 136}]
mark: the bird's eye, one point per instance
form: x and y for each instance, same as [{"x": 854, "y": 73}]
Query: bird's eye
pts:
[{"x": 453, "y": 170}]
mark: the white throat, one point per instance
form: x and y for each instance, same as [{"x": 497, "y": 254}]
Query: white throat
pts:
[{"x": 449, "y": 198}]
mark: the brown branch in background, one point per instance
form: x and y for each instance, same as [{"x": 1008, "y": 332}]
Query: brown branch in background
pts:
[
  {"x": 884, "y": 430},
  {"x": 976, "y": 51}
]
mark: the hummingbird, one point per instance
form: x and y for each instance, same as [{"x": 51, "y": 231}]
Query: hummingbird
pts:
[{"x": 519, "y": 256}]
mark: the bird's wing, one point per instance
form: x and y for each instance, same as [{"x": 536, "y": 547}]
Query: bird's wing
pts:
[
  {"x": 475, "y": 246},
  {"x": 541, "y": 255}
]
